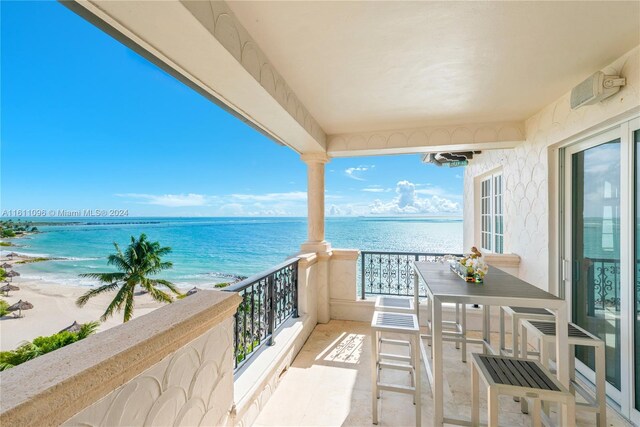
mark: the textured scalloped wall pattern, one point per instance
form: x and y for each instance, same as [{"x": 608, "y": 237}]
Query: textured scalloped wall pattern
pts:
[
  {"x": 428, "y": 137},
  {"x": 526, "y": 169},
  {"x": 219, "y": 20},
  {"x": 191, "y": 387}
]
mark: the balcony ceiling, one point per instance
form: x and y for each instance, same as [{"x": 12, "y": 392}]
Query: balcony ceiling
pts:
[{"x": 366, "y": 66}]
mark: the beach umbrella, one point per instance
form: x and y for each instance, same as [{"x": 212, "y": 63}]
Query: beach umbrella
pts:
[
  {"x": 12, "y": 274},
  {"x": 6, "y": 265},
  {"x": 74, "y": 327},
  {"x": 8, "y": 287},
  {"x": 19, "y": 306},
  {"x": 193, "y": 291},
  {"x": 11, "y": 254}
]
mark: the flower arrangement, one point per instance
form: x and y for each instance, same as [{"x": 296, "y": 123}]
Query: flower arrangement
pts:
[{"x": 473, "y": 267}]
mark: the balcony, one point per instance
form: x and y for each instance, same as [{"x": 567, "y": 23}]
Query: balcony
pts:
[
  {"x": 218, "y": 359},
  {"x": 290, "y": 346}
]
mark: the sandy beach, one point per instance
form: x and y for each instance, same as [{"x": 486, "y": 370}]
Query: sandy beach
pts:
[{"x": 54, "y": 309}]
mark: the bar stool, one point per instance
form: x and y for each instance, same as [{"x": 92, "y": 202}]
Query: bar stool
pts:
[
  {"x": 411, "y": 305},
  {"x": 517, "y": 314},
  {"x": 545, "y": 333},
  {"x": 405, "y": 325},
  {"x": 518, "y": 378}
]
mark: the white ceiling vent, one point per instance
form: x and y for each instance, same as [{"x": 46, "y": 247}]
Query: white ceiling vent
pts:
[{"x": 594, "y": 89}]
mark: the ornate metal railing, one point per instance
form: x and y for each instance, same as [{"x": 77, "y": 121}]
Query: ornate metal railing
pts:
[
  {"x": 268, "y": 299},
  {"x": 604, "y": 274},
  {"x": 391, "y": 273}
]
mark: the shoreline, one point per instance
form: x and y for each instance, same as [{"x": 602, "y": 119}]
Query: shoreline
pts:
[{"x": 54, "y": 308}]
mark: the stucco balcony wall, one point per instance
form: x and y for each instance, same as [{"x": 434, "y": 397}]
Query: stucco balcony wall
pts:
[{"x": 174, "y": 365}]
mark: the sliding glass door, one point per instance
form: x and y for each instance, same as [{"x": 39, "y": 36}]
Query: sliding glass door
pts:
[
  {"x": 601, "y": 251},
  {"x": 595, "y": 193}
]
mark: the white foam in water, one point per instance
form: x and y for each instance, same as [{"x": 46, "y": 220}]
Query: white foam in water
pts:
[{"x": 59, "y": 279}]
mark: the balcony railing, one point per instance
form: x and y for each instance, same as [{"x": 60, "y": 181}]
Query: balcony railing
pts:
[
  {"x": 268, "y": 299},
  {"x": 391, "y": 273},
  {"x": 604, "y": 274}
]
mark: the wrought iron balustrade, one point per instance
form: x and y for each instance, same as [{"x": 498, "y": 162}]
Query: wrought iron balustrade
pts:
[
  {"x": 268, "y": 299},
  {"x": 391, "y": 273},
  {"x": 604, "y": 274}
]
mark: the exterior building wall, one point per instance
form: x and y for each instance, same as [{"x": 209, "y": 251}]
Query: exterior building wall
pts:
[
  {"x": 529, "y": 170},
  {"x": 193, "y": 386}
]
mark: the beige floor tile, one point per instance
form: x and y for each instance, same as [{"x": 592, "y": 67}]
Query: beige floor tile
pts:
[{"x": 329, "y": 384}]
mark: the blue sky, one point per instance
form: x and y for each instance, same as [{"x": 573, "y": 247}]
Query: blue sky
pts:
[{"x": 88, "y": 124}]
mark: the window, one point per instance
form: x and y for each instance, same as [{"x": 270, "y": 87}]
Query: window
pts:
[{"x": 492, "y": 213}]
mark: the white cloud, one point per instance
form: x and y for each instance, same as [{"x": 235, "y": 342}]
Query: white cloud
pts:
[
  {"x": 376, "y": 189},
  {"x": 409, "y": 202},
  {"x": 272, "y": 197},
  {"x": 356, "y": 172},
  {"x": 169, "y": 200},
  {"x": 343, "y": 210}
]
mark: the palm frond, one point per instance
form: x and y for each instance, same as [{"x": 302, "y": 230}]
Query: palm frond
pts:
[
  {"x": 116, "y": 303},
  {"x": 105, "y": 277},
  {"x": 82, "y": 300},
  {"x": 119, "y": 261},
  {"x": 166, "y": 283},
  {"x": 158, "y": 295}
]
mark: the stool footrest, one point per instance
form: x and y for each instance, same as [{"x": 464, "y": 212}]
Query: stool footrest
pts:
[
  {"x": 398, "y": 366},
  {"x": 396, "y": 388},
  {"x": 395, "y": 342},
  {"x": 392, "y": 356}
]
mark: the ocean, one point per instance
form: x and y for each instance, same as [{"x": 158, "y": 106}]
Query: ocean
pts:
[{"x": 207, "y": 251}]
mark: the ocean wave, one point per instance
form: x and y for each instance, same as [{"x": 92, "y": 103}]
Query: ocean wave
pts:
[
  {"x": 60, "y": 279},
  {"x": 73, "y": 258},
  {"x": 213, "y": 274}
]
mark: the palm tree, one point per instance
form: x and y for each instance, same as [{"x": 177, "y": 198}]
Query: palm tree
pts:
[{"x": 140, "y": 260}]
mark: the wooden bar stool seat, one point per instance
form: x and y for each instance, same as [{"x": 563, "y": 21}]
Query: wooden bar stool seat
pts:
[{"x": 517, "y": 378}]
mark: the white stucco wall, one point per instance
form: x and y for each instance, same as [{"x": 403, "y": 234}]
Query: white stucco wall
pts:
[
  {"x": 193, "y": 386},
  {"x": 528, "y": 174}
]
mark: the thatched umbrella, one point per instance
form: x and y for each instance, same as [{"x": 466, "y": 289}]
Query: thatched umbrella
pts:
[
  {"x": 193, "y": 291},
  {"x": 11, "y": 274},
  {"x": 8, "y": 287},
  {"x": 19, "y": 306},
  {"x": 74, "y": 327},
  {"x": 11, "y": 255},
  {"x": 6, "y": 265}
]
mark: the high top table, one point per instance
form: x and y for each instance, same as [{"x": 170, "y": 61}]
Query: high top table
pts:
[{"x": 499, "y": 289}]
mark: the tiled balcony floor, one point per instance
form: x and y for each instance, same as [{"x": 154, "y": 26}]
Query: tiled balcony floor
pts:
[{"x": 329, "y": 384}]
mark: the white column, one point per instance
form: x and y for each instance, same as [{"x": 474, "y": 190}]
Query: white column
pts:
[
  {"x": 315, "y": 203},
  {"x": 315, "y": 231}
]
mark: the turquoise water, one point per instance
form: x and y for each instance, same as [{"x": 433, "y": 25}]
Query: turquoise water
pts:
[{"x": 214, "y": 250}]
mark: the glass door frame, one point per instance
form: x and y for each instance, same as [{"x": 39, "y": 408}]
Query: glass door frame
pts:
[
  {"x": 623, "y": 131},
  {"x": 632, "y": 168}
]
